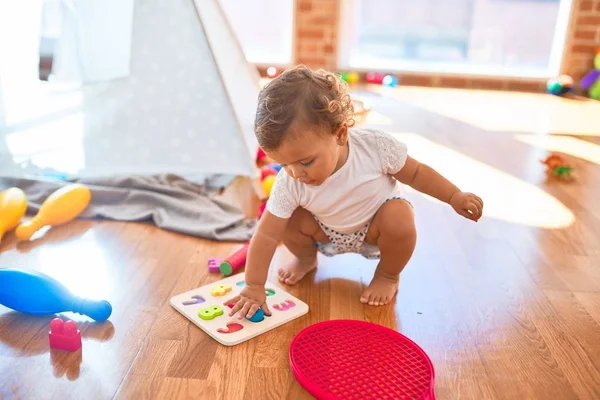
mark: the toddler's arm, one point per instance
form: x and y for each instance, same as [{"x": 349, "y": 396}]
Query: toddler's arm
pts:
[
  {"x": 260, "y": 253},
  {"x": 427, "y": 180}
]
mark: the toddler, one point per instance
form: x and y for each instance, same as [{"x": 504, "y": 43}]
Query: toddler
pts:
[{"x": 336, "y": 192}]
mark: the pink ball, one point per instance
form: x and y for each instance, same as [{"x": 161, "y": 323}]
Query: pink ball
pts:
[{"x": 267, "y": 171}]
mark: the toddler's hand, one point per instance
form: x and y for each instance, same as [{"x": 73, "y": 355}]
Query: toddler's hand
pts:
[
  {"x": 468, "y": 205},
  {"x": 250, "y": 299}
]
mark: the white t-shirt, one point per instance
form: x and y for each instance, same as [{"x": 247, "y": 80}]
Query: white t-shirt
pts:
[{"x": 349, "y": 198}]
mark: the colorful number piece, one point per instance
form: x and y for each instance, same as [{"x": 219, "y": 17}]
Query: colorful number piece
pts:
[
  {"x": 284, "y": 306},
  {"x": 269, "y": 292},
  {"x": 209, "y": 313},
  {"x": 196, "y": 300},
  {"x": 213, "y": 265},
  {"x": 220, "y": 290},
  {"x": 231, "y": 328},
  {"x": 258, "y": 316},
  {"x": 241, "y": 284}
]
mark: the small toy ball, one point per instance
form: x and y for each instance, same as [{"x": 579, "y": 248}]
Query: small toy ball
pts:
[
  {"x": 272, "y": 72},
  {"x": 260, "y": 155},
  {"x": 350, "y": 77},
  {"x": 276, "y": 167},
  {"x": 261, "y": 209},
  {"x": 390, "y": 81},
  {"x": 268, "y": 184},
  {"x": 373, "y": 77},
  {"x": 267, "y": 171},
  {"x": 353, "y": 77},
  {"x": 560, "y": 85}
]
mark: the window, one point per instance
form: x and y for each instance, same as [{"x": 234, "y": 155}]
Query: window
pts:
[
  {"x": 264, "y": 28},
  {"x": 490, "y": 37}
]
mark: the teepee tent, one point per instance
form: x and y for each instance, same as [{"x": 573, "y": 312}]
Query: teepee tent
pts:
[{"x": 184, "y": 105}]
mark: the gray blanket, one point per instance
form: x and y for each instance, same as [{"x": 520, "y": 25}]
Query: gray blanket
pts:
[{"x": 169, "y": 201}]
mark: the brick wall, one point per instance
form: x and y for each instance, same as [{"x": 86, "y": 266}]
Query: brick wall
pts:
[
  {"x": 582, "y": 39},
  {"x": 316, "y": 33}
]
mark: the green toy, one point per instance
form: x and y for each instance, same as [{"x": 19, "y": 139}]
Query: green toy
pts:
[{"x": 591, "y": 82}]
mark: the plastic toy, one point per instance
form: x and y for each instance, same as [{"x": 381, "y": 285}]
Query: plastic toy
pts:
[
  {"x": 276, "y": 167},
  {"x": 235, "y": 261},
  {"x": 36, "y": 293},
  {"x": 261, "y": 209},
  {"x": 272, "y": 72},
  {"x": 220, "y": 290},
  {"x": 557, "y": 166},
  {"x": 64, "y": 335},
  {"x": 208, "y": 313},
  {"x": 214, "y": 264},
  {"x": 268, "y": 184},
  {"x": 374, "y": 77},
  {"x": 260, "y": 155},
  {"x": 389, "y": 81},
  {"x": 258, "y": 316},
  {"x": 560, "y": 85},
  {"x": 391, "y": 365},
  {"x": 591, "y": 82},
  {"x": 13, "y": 205},
  {"x": 232, "y": 330},
  {"x": 62, "y": 206},
  {"x": 350, "y": 77},
  {"x": 267, "y": 171}
]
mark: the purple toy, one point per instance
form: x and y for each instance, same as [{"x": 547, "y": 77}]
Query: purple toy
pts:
[{"x": 213, "y": 264}]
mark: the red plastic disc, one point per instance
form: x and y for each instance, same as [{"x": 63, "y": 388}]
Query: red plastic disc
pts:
[{"x": 346, "y": 359}]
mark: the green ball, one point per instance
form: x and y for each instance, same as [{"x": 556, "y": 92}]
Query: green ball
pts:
[
  {"x": 344, "y": 76},
  {"x": 553, "y": 87}
]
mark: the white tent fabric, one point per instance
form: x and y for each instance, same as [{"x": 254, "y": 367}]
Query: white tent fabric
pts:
[{"x": 187, "y": 106}]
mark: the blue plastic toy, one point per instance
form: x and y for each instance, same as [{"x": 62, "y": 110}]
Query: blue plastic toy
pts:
[
  {"x": 258, "y": 316},
  {"x": 276, "y": 167},
  {"x": 32, "y": 292}
]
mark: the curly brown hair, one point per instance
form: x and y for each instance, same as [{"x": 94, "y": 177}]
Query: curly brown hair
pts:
[{"x": 313, "y": 97}]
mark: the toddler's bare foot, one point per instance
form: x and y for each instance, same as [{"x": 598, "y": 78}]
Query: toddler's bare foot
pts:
[
  {"x": 381, "y": 290},
  {"x": 293, "y": 272}
]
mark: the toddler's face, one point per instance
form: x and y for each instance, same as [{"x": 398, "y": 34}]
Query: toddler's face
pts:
[{"x": 312, "y": 154}]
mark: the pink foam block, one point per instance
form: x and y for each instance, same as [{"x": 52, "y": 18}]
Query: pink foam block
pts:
[
  {"x": 213, "y": 264},
  {"x": 64, "y": 335}
]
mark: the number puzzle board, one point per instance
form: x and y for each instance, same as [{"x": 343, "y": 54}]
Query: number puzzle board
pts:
[{"x": 230, "y": 330}]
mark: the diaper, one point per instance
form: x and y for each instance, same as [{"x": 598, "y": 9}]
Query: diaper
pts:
[{"x": 341, "y": 243}]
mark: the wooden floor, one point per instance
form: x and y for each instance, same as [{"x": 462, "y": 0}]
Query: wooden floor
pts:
[{"x": 508, "y": 308}]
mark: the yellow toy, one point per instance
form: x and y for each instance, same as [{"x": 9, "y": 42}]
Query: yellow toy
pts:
[
  {"x": 13, "y": 205},
  {"x": 62, "y": 206},
  {"x": 268, "y": 184},
  {"x": 220, "y": 290}
]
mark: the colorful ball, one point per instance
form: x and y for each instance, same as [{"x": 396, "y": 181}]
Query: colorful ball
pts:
[
  {"x": 559, "y": 85},
  {"x": 272, "y": 72},
  {"x": 268, "y": 184},
  {"x": 267, "y": 171},
  {"x": 260, "y": 155},
  {"x": 261, "y": 209},
  {"x": 276, "y": 167},
  {"x": 390, "y": 81},
  {"x": 373, "y": 77}
]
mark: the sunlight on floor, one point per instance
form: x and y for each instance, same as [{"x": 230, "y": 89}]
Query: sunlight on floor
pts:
[
  {"x": 564, "y": 144},
  {"x": 506, "y": 198},
  {"x": 84, "y": 271},
  {"x": 506, "y": 111}
]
